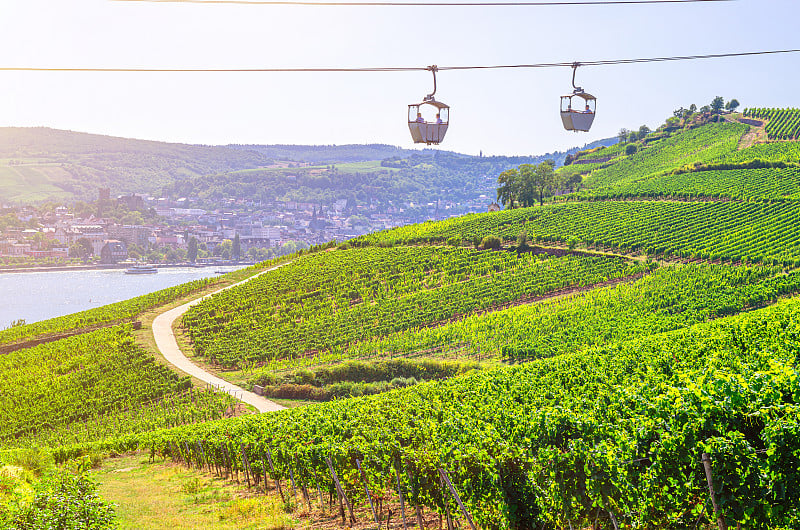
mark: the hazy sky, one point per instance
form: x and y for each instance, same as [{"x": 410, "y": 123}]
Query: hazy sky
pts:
[{"x": 499, "y": 111}]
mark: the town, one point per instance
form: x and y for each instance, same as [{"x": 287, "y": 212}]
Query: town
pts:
[{"x": 178, "y": 231}]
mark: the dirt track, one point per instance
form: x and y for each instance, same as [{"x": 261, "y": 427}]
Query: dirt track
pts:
[{"x": 168, "y": 346}]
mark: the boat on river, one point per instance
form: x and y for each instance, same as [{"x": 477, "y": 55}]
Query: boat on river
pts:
[{"x": 141, "y": 269}]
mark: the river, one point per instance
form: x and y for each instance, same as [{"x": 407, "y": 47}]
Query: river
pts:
[{"x": 35, "y": 296}]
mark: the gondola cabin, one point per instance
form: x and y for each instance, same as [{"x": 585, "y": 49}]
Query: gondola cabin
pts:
[
  {"x": 428, "y": 129},
  {"x": 578, "y": 111}
]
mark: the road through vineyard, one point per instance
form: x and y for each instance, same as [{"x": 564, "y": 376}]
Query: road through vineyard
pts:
[{"x": 168, "y": 346}]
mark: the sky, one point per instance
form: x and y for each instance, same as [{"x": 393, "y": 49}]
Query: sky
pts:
[{"x": 498, "y": 112}]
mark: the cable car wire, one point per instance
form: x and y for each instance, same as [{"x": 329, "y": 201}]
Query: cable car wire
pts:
[
  {"x": 560, "y": 3},
  {"x": 394, "y": 69}
]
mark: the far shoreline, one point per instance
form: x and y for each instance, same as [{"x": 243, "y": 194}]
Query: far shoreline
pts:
[{"x": 115, "y": 266}]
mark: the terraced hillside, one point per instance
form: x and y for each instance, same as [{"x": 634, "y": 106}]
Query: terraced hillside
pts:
[{"x": 575, "y": 376}]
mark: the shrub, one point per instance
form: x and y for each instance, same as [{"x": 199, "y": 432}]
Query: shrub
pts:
[
  {"x": 491, "y": 242},
  {"x": 631, "y": 149}
]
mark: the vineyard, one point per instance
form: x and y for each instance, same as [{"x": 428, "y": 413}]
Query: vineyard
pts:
[
  {"x": 612, "y": 357},
  {"x": 743, "y": 184},
  {"x": 784, "y": 124},
  {"x": 608, "y": 433},
  {"x": 669, "y": 298},
  {"x": 693, "y": 230},
  {"x": 323, "y": 302},
  {"x": 702, "y": 144},
  {"x": 92, "y": 386}
]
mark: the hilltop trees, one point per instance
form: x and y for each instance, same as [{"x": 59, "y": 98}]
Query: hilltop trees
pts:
[
  {"x": 507, "y": 192},
  {"x": 526, "y": 185}
]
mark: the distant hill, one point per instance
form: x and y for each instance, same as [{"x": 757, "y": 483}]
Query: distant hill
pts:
[
  {"x": 38, "y": 164},
  {"x": 328, "y": 154}
]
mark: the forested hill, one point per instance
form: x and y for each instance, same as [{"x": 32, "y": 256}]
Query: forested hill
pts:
[
  {"x": 329, "y": 154},
  {"x": 39, "y": 163}
]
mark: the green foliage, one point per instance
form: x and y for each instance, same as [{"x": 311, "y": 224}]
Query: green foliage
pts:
[
  {"x": 700, "y": 144},
  {"x": 359, "y": 378},
  {"x": 709, "y": 230},
  {"x": 491, "y": 243},
  {"x": 618, "y": 428},
  {"x": 69, "y": 165},
  {"x": 784, "y": 124},
  {"x": 668, "y": 298},
  {"x": 321, "y": 303},
  {"x": 91, "y": 386},
  {"x": 65, "y": 501}
]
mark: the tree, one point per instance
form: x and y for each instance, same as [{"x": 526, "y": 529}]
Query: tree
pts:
[
  {"x": 237, "y": 247},
  {"x": 631, "y": 149},
  {"x": 623, "y": 135},
  {"x": 537, "y": 182},
  {"x": 81, "y": 249},
  {"x": 692, "y": 108},
  {"x": 192, "y": 248},
  {"x": 644, "y": 130},
  {"x": 717, "y": 104},
  {"x": 224, "y": 248},
  {"x": 507, "y": 192},
  {"x": 679, "y": 113},
  {"x": 732, "y": 105}
]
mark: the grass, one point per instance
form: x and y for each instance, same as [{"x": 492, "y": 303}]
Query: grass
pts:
[{"x": 166, "y": 495}]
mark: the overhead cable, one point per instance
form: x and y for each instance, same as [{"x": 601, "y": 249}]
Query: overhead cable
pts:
[
  {"x": 391, "y": 68},
  {"x": 560, "y": 3}
]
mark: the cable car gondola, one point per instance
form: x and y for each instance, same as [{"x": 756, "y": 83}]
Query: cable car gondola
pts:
[
  {"x": 582, "y": 118},
  {"x": 425, "y": 132}
]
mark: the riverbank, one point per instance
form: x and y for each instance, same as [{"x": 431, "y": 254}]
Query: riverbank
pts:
[{"x": 112, "y": 266}]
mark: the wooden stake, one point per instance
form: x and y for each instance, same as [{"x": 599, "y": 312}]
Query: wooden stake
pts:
[
  {"x": 458, "y": 499},
  {"x": 402, "y": 502},
  {"x": 341, "y": 490},
  {"x": 369, "y": 495},
  {"x": 420, "y": 521},
  {"x": 710, "y": 479},
  {"x": 272, "y": 471},
  {"x": 319, "y": 491}
]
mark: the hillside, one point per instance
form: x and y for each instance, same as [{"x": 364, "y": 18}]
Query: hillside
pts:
[
  {"x": 38, "y": 164},
  {"x": 47, "y": 164},
  {"x": 565, "y": 365}
]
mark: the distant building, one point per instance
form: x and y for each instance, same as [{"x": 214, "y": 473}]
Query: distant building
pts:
[
  {"x": 104, "y": 194},
  {"x": 494, "y": 207},
  {"x": 132, "y": 201},
  {"x": 113, "y": 251}
]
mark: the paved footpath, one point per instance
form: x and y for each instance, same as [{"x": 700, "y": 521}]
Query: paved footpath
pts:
[{"x": 168, "y": 346}]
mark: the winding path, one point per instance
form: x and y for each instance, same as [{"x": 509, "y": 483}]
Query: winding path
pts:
[{"x": 168, "y": 346}]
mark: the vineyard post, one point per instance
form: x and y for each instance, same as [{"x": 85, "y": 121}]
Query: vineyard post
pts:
[
  {"x": 244, "y": 465},
  {"x": 340, "y": 490},
  {"x": 446, "y": 505},
  {"x": 294, "y": 489},
  {"x": 202, "y": 452},
  {"x": 319, "y": 491},
  {"x": 706, "y": 458},
  {"x": 443, "y": 472},
  {"x": 414, "y": 492},
  {"x": 264, "y": 467},
  {"x": 613, "y": 519},
  {"x": 369, "y": 495},
  {"x": 402, "y": 502},
  {"x": 272, "y": 471}
]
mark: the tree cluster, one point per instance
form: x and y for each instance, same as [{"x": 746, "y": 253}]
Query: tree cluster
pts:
[{"x": 527, "y": 184}]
